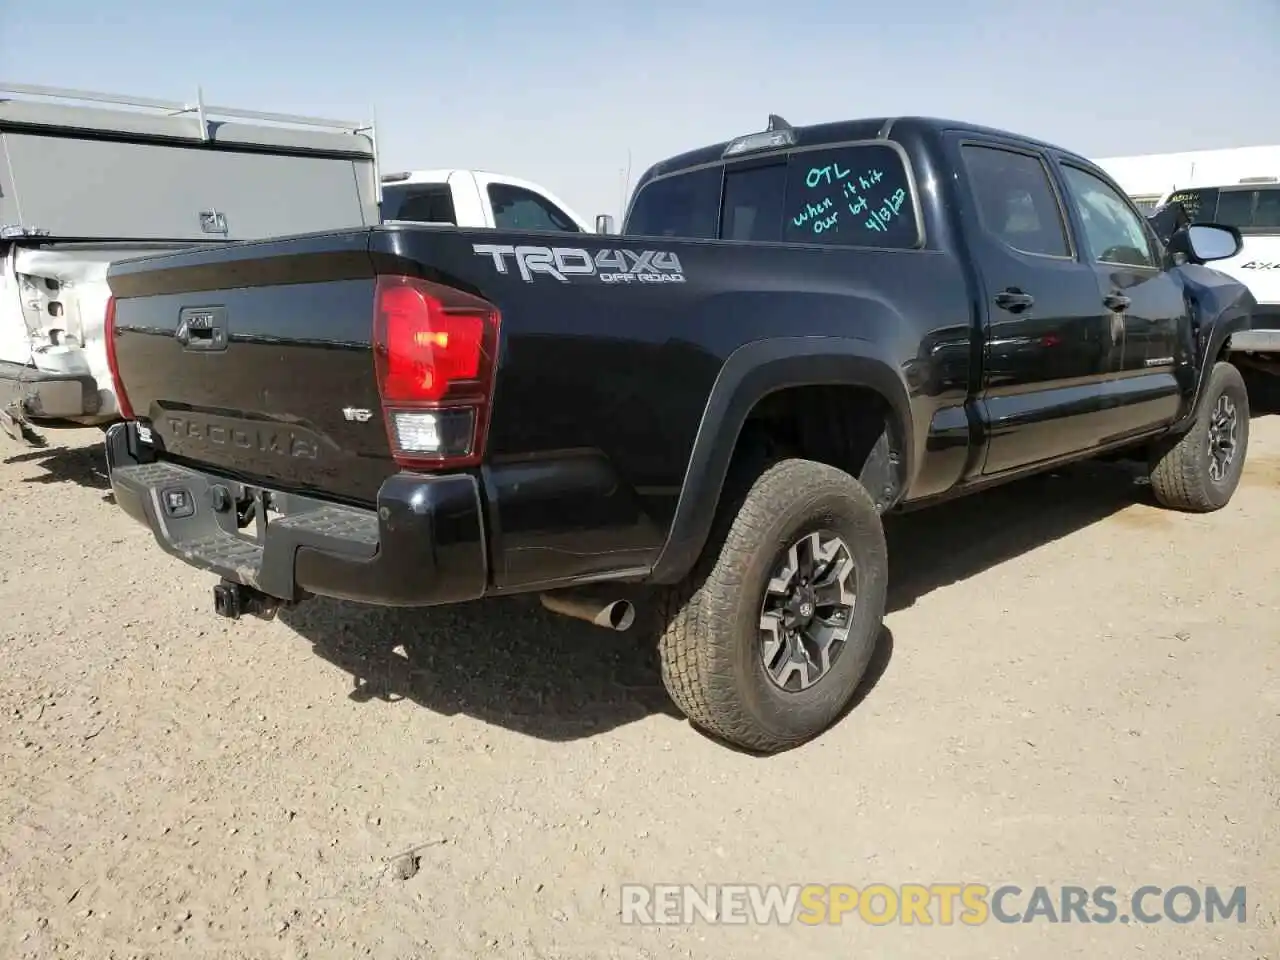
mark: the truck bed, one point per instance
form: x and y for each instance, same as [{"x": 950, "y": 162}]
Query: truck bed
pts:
[{"x": 604, "y": 375}]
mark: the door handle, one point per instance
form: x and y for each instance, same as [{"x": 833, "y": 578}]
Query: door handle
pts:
[
  {"x": 1014, "y": 300},
  {"x": 202, "y": 328},
  {"x": 1116, "y": 301}
]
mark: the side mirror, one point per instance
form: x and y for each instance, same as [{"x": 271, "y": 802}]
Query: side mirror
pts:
[
  {"x": 604, "y": 223},
  {"x": 1204, "y": 242}
]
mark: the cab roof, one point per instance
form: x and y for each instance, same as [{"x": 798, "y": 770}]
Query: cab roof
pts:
[{"x": 841, "y": 131}]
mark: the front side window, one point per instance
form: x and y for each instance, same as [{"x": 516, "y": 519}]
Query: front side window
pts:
[
  {"x": 1113, "y": 232},
  {"x": 515, "y": 208}
]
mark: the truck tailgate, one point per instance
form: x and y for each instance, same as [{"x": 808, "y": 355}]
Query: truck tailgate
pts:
[{"x": 257, "y": 361}]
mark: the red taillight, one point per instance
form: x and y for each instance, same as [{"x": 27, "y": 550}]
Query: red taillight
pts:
[
  {"x": 435, "y": 349},
  {"x": 109, "y": 333}
]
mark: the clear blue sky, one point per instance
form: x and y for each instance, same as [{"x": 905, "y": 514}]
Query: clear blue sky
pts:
[{"x": 559, "y": 91}]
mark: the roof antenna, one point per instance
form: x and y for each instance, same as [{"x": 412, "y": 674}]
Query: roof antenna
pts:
[{"x": 777, "y": 123}]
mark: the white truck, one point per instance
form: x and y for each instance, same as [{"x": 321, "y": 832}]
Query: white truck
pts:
[
  {"x": 476, "y": 198},
  {"x": 1239, "y": 187},
  {"x": 1252, "y": 205},
  {"x": 87, "y": 178}
]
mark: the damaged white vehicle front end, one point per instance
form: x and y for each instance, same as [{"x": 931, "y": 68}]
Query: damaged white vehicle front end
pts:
[{"x": 53, "y": 356}]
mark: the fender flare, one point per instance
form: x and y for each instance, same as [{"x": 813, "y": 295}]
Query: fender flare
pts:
[
  {"x": 1215, "y": 339},
  {"x": 752, "y": 372}
]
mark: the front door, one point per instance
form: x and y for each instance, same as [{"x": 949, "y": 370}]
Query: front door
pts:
[
  {"x": 1134, "y": 282},
  {"x": 1050, "y": 343}
]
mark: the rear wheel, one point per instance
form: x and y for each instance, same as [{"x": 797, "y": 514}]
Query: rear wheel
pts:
[
  {"x": 766, "y": 642},
  {"x": 1200, "y": 472}
]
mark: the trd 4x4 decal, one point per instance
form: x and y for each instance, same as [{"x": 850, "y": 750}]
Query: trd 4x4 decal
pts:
[{"x": 567, "y": 263}]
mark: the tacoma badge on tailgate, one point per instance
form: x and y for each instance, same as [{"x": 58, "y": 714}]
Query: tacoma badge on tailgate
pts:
[{"x": 217, "y": 432}]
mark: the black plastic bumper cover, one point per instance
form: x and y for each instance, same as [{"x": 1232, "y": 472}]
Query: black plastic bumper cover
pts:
[{"x": 423, "y": 545}]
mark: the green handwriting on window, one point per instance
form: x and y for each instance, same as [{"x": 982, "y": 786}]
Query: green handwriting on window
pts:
[{"x": 862, "y": 197}]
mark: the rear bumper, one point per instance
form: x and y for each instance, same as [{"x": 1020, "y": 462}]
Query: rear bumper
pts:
[
  {"x": 423, "y": 545},
  {"x": 32, "y": 394}
]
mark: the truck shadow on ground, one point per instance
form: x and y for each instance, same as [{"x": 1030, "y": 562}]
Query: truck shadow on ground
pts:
[
  {"x": 85, "y": 466},
  {"x": 507, "y": 662},
  {"x": 513, "y": 664},
  {"x": 949, "y": 543}
]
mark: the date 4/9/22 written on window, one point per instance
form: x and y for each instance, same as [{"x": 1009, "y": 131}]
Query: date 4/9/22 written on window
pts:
[{"x": 837, "y": 190}]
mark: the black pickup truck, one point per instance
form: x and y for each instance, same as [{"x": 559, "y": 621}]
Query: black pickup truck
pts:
[{"x": 797, "y": 331}]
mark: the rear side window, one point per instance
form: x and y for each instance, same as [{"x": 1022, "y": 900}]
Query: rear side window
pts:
[
  {"x": 855, "y": 196},
  {"x": 422, "y": 203},
  {"x": 1016, "y": 202},
  {"x": 683, "y": 205},
  {"x": 1250, "y": 210}
]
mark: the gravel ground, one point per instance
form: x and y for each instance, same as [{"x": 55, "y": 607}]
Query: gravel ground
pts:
[{"x": 1075, "y": 688}]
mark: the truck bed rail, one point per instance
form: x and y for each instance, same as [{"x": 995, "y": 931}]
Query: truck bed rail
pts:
[
  {"x": 203, "y": 113},
  {"x": 29, "y": 106}
]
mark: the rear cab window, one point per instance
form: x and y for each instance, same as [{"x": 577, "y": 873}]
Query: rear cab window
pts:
[
  {"x": 419, "y": 202},
  {"x": 857, "y": 195}
]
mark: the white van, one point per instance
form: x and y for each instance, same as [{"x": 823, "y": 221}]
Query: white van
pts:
[{"x": 1253, "y": 206}]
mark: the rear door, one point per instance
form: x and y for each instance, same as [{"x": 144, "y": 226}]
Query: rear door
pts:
[{"x": 1050, "y": 345}]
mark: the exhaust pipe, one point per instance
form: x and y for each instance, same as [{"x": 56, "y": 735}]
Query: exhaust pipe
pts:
[{"x": 594, "y": 606}]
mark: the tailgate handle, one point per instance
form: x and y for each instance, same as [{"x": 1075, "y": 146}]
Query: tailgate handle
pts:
[{"x": 202, "y": 328}]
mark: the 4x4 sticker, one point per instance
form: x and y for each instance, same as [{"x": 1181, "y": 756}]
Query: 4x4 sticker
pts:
[
  {"x": 1259, "y": 265},
  {"x": 567, "y": 263}
]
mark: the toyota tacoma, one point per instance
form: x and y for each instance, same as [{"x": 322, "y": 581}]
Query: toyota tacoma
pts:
[{"x": 795, "y": 332}]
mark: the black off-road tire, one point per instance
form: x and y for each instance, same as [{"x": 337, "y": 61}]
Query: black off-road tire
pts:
[
  {"x": 710, "y": 646},
  {"x": 1180, "y": 471}
]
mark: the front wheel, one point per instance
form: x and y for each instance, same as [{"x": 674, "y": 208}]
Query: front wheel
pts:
[
  {"x": 1200, "y": 472},
  {"x": 766, "y": 642}
]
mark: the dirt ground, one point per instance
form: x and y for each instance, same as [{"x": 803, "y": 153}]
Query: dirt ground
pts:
[{"x": 1075, "y": 688}]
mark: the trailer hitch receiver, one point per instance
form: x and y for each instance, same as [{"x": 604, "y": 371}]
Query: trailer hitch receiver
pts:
[{"x": 235, "y": 600}]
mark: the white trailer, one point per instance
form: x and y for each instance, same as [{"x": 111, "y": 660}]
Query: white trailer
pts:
[{"x": 87, "y": 178}]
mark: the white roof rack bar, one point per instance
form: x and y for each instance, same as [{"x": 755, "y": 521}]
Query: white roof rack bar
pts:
[{"x": 177, "y": 107}]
